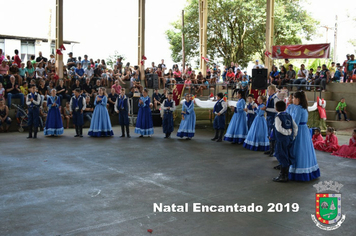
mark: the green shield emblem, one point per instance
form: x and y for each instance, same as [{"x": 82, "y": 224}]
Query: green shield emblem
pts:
[{"x": 328, "y": 207}]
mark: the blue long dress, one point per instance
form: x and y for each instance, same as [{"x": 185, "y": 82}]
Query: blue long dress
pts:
[
  {"x": 257, "y": 137},
  {"x": 306, "y": 167},
  {"x": 237, "y": 130},
  {"x": 54, "y": 124},
  {"x": 144, "y": 124},
  {"x": 290, "y": 109},
  {"x": 187, "y": 126},
  {"x": 100, "y": 124}
]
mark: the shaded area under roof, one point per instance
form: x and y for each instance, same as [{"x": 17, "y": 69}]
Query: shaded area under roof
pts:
[{"x": 3, "y": 36}]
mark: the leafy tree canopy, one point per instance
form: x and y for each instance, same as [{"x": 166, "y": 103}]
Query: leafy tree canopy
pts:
[{"x": 236, "y": 29}]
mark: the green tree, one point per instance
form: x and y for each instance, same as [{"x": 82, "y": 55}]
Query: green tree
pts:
[
  {"x": 111, "y": 60},
  {"x": 236, "y": 29}
]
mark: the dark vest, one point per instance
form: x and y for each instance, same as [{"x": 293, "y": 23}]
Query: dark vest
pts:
[
  {"x": 80, "y": 103},
  {"x": 218, "y": 107},
  {"x": 122, "y": 102}
]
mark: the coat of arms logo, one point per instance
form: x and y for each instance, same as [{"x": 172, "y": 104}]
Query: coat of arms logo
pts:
[{"x": 328, "y": 206}]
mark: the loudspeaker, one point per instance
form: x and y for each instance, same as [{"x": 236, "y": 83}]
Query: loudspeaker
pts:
[
  {"x": 155, "y": 81},
  {"x": 259, "y": 78},
  {"x": 149, "y": 81},
  {"x": 135, "y": 105}
]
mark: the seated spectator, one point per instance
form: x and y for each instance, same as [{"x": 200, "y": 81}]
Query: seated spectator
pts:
[
  {"x": 156, "y": 98},
  {"x": 160, "y": 77},
  {"x": 111, "y": 101},
  {"x": 14, "y": 70},
  {"x": 96, "y": 87},
  {"x": 13, "y": 91},
  {"x": 24, "y": 88},
  {"x": 62, "y": 91},
  {"x": 136, "y": 82},
  {"x": 71, "y": 62},
  {"x": 230, "y": 76},
  {"x": 202, "y": 87},
  {"x": 67, "y": 114},
  {"x": 88, "y": 111},
  {"x": 88, "y": 88},
  {"x": 43, "y": 90},
  {"x": 244, "y": 87},
  {"x": 117, "y": 87},
  {"x": 22, "y": 71},
  {"x": 170, "y": 81},
  {"x": 66, "y": 78},
  {"x": 79, "y": 73},
  {"x": 88, "y": 73},
  {"x": 290, "y": 77},
  {"x": 339, "y": 75},
  {"x": 323, "y": 79},
  {"x": 311, "y": 78},
  {"x": 302, "y": 76},
  {"x": 4, "y": 71},
  {"x": 4, "y": 116},
  {"x": 77, "y": 85},
  {"x": 51, "y": 85},
  {"x": 274, "y": 77},
  {"x": 40, "y": 72},
  {"x": 177, "y": 75},
  {"x": 2, "y": 91}
]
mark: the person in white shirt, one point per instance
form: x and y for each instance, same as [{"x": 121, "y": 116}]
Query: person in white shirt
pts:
[
  {"x": 301, "y": 76},
  {"x": 257, "y": 65}
]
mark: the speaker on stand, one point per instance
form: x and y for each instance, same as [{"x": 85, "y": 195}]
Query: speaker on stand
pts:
[{"x": 259, "y": 79}]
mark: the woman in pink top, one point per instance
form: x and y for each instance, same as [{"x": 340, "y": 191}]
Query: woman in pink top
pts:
[
  {"x": 4, "y": 70},
  {"x": 177, "y": 74},
  {"x": 187, "y": 83},
  {"x": 117, "y": 87}
]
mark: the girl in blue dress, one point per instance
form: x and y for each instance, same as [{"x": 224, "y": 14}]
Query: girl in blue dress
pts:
[
  {"x": 100, "y": 124},
  {"x": 290, "y": 106},
  {"x": 305, "y": 167},
  {"x": 237, "y": 130},
  {"x": 54, "y": 124},
  {"x": 187, "y": 125},
  {"x": 257, "y": 137},
  {"x": 144, "y": 124}
]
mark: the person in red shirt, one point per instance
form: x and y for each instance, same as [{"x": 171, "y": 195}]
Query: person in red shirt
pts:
[
  {"x": 330, "y": 144},
  {"x": 17, "y": 59}
]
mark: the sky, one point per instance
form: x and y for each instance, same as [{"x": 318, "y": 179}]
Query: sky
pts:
[{"x": 108, "y": 25}]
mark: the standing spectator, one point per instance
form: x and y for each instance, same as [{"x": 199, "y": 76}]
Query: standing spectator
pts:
[
  {"x": 13, "y": 91},
  {"x": 71, "y": 61},
  {"x": 302, "y": 76},
  {"x": 40, "y": 58},
  {"x": 111, "y": 100},
  {"x": 286, "y": 63},
  {"x": 350, "y": 66},
  {"x": 17, "y": 59},
  {"x": 344, "y": 65}
]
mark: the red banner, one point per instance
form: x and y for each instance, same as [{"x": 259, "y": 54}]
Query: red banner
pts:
[
  {"x": 178, "y": 91},
  {"x": 301, "y": 51}
]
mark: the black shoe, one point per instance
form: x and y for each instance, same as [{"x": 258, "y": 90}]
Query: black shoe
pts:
[
  {"x": 216, "y": 135},
  {"x": 81, "y": 131},
  {"x": 219, "y": 140},
  {"x": 122, "y": 132},
  {"x": 128, "y": 131},
  {"x": 35, "y": 134},
  {"x": 283, "y": 175},
  {"x": 277, "y": 167},
  {"x": 29, "y": 132},
  {"x": 141, "y": 136},
  {"x": 188, "y": 138},
  {"x": 76, "y": 132},
  {"x": 220, "y": 136},
  {"x": 122, "y": 136},
  {"x": 77, "y": 135},
  {"x": 267, "y": 152}
]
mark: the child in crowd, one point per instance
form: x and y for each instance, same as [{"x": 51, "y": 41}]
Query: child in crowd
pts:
[
  {"x": 168, "y": 106},
  {"x": 257, "y": 139},
  {"x": 144, "y": 123},
  {"x": 100, "y": 124},
  {"x": 122, "y": 107},
  {"x": 219, "y": 111},
  {"x": 317, "y": 136},
  {"x": 24, "y": 88},
  {"x": 290, "y": 105},
  {"x": 33, "y": 101},
  {"x": 236, "y": 88},
  {"x": 67, "y": 114},
  {"x": 22, "y": 71},
  {"x": 44, "y": 111},
  {"x": 330, "y": 144},
  {"x": 250, "y": 109},
  {"x": 2, "y": 91},
  {"x": 282, "y": 94},
  {"x": 187, "y": 125},
  {"x": 244, "y": 86},
  {"x": 341, "y": 109},
  {"x": 77, "y": 106},
  {"x": 188, "y": 84},
  {"x": 285, "y": 130},
  {"x": 348, "y": 151},
  {"x": 4, "y": 116},
  {"x": 237, "y": 130}
]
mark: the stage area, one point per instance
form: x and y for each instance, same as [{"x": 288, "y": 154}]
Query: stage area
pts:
[{"x": 108, "y": 186}]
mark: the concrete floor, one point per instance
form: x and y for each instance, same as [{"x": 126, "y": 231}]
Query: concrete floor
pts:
[{"x": 107, "y": 186}]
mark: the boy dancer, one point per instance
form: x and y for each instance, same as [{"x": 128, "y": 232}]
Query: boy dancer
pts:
[
  {"x": 285, "y": 130},
  {"x": 33, "y": 102},
  {"x": 271, "y": 114},
  {"x": 77, "y": 106},
  {"x": 219, "y": 121},
  {"x": 250, "y": 109},
  {"x": 168, "y": 107},
  {"x": 122, "y": 107}
]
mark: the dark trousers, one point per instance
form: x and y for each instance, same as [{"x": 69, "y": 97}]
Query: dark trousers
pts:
[{"x": 341, "y": 112}]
